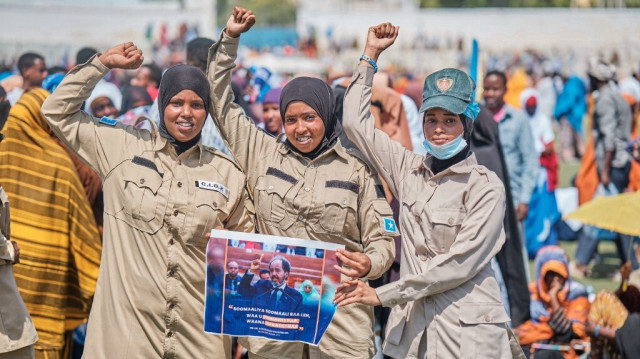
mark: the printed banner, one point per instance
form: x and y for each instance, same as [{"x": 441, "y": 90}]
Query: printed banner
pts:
[{"x": 268, "y": 286}]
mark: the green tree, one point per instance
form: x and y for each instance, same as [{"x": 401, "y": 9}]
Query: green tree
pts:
[{"x": 268, "y": 12}]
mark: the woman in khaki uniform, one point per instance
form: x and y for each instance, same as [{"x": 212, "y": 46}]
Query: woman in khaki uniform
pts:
[
  {"x": 163, "y": 191},
  {"x": 308, "y": 186},
  {"x": 446, "y": 303}
]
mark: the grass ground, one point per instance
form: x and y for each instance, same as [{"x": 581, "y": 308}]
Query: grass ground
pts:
[{"x": 601, "y": 272}]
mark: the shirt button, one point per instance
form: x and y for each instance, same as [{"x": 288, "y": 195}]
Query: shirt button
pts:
[
  {"x": 141, "y": 180},
  {"x": 432, "y": 184},
  {"x": 344, "y": 201},
  {"x": 172, "y": 272},
  {"x": 169, "y": 334},
  {"x": 394, "y": 302},
  {"x": 450, "y": 221},
  {"x": 270, "y": 187},
  {"x": 312, "y": 166},
  {"x": 487, "y": 318},
  {"x": 171, "y": 241},
  {"x": 215, "y": 204},
  {"x": 172, "y": 305},
  {"x": 423, "y": 257},
  {"x": 179, "y": 184},
  {"x": 300, "y": 218},
  {"x": 418, "y": 218},
  {"x": 349, "y": 149},
  {"x": 307, "y": 189},
  {"x": 175, "y": 213}
]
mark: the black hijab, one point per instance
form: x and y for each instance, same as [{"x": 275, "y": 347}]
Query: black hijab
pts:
[
  {"x": 319, "y": 96},
  {"x": 174, "y": 80},
  {"x": 438, "y": 165}
]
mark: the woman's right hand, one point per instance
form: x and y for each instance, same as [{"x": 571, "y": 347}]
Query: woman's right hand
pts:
[
  {"x": 124, "y": 56},
  {"x": 241, "y": 20},
  {"x": 379, "y": 38}
]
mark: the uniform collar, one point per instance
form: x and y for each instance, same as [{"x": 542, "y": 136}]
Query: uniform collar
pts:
[
  {"x": 161, "y": 143},
  {"x": 337, "y": 148},
  {"x": 463, "y": 167}
]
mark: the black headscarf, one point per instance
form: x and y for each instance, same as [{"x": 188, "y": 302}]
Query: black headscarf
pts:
[
  {"x": 317, "y": 94},
  {"x": 438, "y": 165},
  {"x": 132, "y": 95},
  {"x": 174, "y": 80}
]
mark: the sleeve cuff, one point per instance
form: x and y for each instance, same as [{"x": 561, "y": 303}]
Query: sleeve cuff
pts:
[
  {"x": 376, "y": 267},
  {"x": 99, "y": 65},
  {"x": 363, "y": 75},
  {"x": 388, "y": 295}
]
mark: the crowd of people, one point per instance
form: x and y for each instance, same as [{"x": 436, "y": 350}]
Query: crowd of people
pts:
[{"x": 440, "y": 187}]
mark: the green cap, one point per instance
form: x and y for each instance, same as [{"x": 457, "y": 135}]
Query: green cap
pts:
[{"x": 450, "y": 89}]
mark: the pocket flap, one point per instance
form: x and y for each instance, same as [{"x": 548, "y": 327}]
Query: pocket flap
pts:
[
  {"x": 382, "y": 207},
  {"x": 143, "y": 177},
  {"x": 482, "y": 313},
  {"x": 447, "y": 216},
  {"x": 341, "y": 197},
  {"x": 271, "y": 185}
]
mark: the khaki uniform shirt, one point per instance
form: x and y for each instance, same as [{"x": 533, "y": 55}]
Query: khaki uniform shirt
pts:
[
  {"x": 149, "y": 300},
  {"x": 333, "y": 198},
  {"x": 16, "y": 328},
  {"x": 447, "y": 302}
]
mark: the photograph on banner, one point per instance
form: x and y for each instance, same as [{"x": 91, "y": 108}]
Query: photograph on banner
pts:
[{"x": 268, "y": 286}]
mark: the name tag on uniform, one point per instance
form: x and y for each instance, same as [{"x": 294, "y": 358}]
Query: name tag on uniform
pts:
[
  {"x": 212, "y": 186},
  {"x": 390, "y": 225},
  {"x": 108, "y": 121}
]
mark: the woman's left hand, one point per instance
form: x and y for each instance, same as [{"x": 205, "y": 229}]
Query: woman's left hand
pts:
[
  {"x": 359, "y": 263},
  {"x": 355, "y": 291}
]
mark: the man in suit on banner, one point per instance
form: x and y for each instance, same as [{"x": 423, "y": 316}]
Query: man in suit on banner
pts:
[{"x": 273, "y": 294}]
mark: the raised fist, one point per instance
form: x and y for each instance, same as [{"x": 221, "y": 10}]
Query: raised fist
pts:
[
  {"x": 123, "y": 56},
  {"x": 379, "y": 38},
  {"x": 240, "y": 21}
]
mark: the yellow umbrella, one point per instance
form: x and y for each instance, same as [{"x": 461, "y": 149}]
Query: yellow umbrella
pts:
[{"x": 620, "y": 213}]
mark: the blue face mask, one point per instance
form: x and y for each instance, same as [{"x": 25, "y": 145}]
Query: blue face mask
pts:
[{"x": 447, "y": 150}]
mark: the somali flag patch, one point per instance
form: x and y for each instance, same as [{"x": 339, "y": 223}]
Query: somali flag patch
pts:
[
  {"x": 390, "y": 225},
  {"x": 108, "y": 121}
]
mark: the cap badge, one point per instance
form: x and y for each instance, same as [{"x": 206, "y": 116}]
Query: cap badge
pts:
[{"x": 444, "y": 84}]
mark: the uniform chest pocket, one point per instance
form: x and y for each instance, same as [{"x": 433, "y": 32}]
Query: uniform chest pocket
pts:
[
  {"x": 445, "y": 225},
  {"x": 211, "y": 212},
  {"x": 143, "y": 204},
  {"x": 340, "y": 206},
  {"x": 270, "y": 197}
]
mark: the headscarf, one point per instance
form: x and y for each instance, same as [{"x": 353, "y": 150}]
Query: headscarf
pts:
[
  {"x": 174, "y": 80},
  {"x": 552, "y": 258},
  {"x": 104, "y": 89},
  {"x": 319, "y": 96},
  {"x": 272, "y": 96},
  {"x": 313, "y": 297},
  {"x": 134, "y": 94},
  {"x": 53, "y": 215}
]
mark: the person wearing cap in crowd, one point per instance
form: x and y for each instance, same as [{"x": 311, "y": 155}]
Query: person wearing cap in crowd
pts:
[
  {"x": 164, "y": 191},
  {"x": 272, "y": 120},
  {"x": 307, "y": 186},
  {"x": 446, "y": 303}
]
